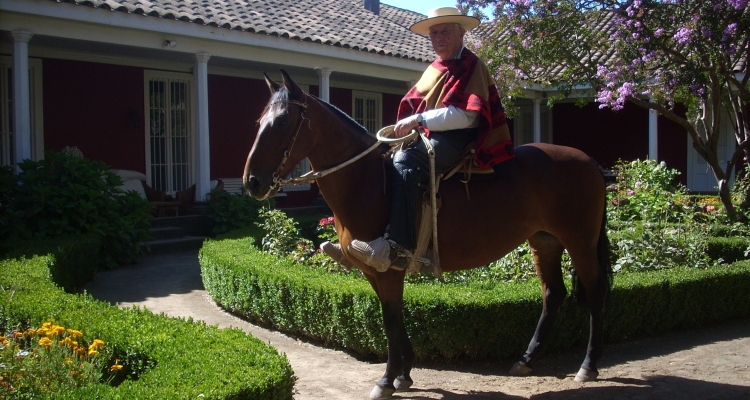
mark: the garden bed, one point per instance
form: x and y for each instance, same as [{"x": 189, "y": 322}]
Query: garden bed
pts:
[
  {"x": 459, "y": 320},
  {"x": 162, "y": 357}
]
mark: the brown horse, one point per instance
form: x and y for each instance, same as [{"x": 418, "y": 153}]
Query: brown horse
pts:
[{"x": 551, "y": 196}]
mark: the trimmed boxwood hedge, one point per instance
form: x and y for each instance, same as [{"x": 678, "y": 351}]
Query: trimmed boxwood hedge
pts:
[
  {"x": 76, "y": 257},
  {"x": 729, "y": 249},
  {"x": 186, "y": 359},
  {"x": 459, "y": 321}
]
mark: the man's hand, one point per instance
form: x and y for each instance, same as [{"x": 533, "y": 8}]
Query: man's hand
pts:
[{"x": 405, "y": 126}]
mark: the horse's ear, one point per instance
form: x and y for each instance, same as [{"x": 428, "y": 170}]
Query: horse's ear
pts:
[
  {"x": 273, "y": 86},
  {"x": 290, "y": 85}
]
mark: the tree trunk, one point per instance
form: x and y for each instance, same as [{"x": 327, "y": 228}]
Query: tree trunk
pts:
[{"x": 726, "y": 200}]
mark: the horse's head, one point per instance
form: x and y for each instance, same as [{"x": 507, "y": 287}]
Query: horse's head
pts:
[{"x": 279, "y": 144}]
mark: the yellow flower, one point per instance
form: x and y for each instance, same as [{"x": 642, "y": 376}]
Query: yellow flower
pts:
[
  {"x": 30, "y": 332},
  {"x": 18, "y": 334},
  {"x": 98, "y": 343},
  {"x": 116, "y": 367},
  {"x": 3, "y": 340},
  {"x": 74, "y": 333},
  {"x": 93, "y": 352},
  {"x": 56, "y": 330},
  {"x": 45, "y": 342}
]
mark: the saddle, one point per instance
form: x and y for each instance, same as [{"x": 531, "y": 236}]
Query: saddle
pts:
[{"x": 466, "y": 166}]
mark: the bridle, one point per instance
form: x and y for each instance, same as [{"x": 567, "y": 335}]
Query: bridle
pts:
[
  {"x": 277, "y": 182},
  {"x": 310, "y": 176}
]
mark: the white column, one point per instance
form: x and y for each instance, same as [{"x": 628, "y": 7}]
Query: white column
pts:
[
  {"x": 653, "y": 135},
  {"x": 202, "y": 149},
  {"x": 537, "y": 120},
  {"x": 21, "y": 101},
  {"x": 324, "y": 84}
]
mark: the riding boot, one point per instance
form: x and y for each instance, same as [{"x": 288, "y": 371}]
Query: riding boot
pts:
[
  {"x": 382, "y": 253},
  {"x": 334, "y": 251}
]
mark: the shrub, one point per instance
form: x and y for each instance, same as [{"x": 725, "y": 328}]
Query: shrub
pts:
[
  {"x": 232, "y": 211},
  {"x": 74, "y": 261},
  {"x": 476, "y": 321},
  {"x": 728, "y": 249},
  {"x": 67, "y": 195},
  {"x": 162, "y": 357}
]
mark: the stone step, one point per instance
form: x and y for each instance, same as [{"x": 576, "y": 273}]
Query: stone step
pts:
[
  {"x": 162, "y": 246},
  {"x": 167, "y": 232},
  {"x": 194, "y": 225}
]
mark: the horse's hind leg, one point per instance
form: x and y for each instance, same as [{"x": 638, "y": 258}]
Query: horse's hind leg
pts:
[
  {"x": 547, "y": 251},
  {"x": 593, "y": 279}
]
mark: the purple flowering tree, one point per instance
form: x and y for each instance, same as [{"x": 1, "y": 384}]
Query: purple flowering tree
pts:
[{"x": 656, "y": 54}]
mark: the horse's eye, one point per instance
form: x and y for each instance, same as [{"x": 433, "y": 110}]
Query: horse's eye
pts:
[{"x": 281, "y": 121}]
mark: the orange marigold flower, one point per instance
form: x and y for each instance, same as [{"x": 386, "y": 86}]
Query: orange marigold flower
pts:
[
  {"x": 45, "y": 342},
  {"x": 74, "y": 333},
  {"x": 56, "y": 330}
]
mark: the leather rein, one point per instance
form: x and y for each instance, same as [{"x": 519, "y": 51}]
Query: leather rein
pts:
[{"x": 310, "y": 176}]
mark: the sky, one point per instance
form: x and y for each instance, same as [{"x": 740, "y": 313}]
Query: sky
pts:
[{"x": 420, "y": 6}]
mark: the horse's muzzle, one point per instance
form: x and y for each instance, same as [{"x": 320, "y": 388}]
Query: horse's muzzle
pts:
[{"x": 257, "y": 188}]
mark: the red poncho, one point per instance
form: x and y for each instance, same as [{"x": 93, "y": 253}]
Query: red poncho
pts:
[{"x": 464, "y": 83}]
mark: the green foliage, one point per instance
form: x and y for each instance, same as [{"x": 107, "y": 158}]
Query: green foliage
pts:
[
  {"x": 466, "y": 320},
  {"x": 741, "y": 193},
  {"x": 39, "y": 362},
  {"x": 232, "y": 211},
  {"x": 73, "y": 265},
  {"x": 645, "y": 191},
  {"x": 654, "y": 223},
  {"x": 162, "y": 357},
  {"x": 728, "y": 249},
  {"x": 66, "y": 195}
]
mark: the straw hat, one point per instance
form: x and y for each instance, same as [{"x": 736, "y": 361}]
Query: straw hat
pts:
[{"x": 443, "y": 15}]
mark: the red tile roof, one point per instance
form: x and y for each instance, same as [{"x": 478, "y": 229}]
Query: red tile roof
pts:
[{"x": 342, "y": 23}]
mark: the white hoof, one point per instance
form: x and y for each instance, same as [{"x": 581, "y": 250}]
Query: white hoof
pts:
[
  {"x": 519, "y": 369},
  {"x": 381, "y": 393},
  {"x": 585, "y": 375},
  {"x": 402, "y": 385}
]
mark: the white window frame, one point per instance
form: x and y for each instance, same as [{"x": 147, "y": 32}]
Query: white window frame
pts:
[
  {"x": 169, "y": 77},
  {"x": 7, "y": 147},
  {"x": 375, "y": 122}
]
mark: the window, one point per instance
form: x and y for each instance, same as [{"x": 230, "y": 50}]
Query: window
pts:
[
  {"x": 170, "y": 136},
  {"x": 523, "y": 124},
  {"x": 7, "y": 145},
  {"x": 366, "y": 109}
]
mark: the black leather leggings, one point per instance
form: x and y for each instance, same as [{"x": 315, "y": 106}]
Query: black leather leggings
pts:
[{"x": 411, "y": 174}]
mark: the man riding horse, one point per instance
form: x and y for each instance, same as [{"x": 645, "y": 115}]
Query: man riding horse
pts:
[{"x": 456, "y": 104}]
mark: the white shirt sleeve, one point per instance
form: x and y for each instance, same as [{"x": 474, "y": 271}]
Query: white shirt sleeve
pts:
[{"x": 449, "y": 118}]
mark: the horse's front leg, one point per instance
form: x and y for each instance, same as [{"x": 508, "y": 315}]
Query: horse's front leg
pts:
[{"x": 389, "y": 286}]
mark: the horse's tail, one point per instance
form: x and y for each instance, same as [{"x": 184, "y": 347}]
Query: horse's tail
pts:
[{"x": 603, "y": 256}]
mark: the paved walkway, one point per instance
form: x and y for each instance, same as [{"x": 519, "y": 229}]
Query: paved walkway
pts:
[{"x": 709, "y": 363}]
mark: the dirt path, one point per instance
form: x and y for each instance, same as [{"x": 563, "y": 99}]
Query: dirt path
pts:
[{"x": 712, "y": 363}]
